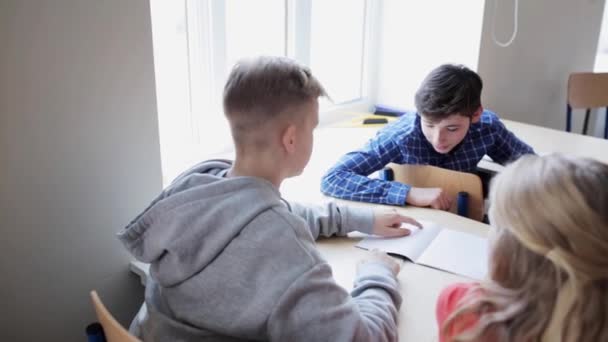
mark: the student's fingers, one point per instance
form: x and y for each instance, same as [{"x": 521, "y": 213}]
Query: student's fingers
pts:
[
  {"x": 436, "y": 204},
  {"x": 450, "y": 202},
  {"x": 439, "y": 203},
  {"x": 377, "y": 255},
  {"x": 445, "y": 202},
  {"x": 409, "y": 220},
  {"x": 394, "y": 232}
]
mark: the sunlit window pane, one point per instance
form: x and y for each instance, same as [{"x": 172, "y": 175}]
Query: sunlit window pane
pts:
[
  {"x": 254, "y": 28},
  {"x": 336, "y": 46},
  {"x": 601, "y": 60},
  {"x": 418, "y": 37}
]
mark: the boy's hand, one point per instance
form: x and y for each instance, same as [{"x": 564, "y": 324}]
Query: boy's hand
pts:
[
  {"x": 387, "y": 223},
  {"x": 378, "y": 256},
  {"x": 435, "y": 198}
]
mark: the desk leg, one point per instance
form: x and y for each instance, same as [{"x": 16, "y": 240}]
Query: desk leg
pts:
[
  {"x": 568, "y": 117},
  {"x": 606, "y": 125}
]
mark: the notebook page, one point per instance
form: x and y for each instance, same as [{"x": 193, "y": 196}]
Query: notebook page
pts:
[
  {"x": 458, "y": 252},
  {"x": 411, "y": 246}
]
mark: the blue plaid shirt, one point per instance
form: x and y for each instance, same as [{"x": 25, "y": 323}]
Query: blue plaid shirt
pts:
[{"x": 402, "y": 142}]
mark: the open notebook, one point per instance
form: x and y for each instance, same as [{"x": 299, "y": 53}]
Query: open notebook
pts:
[{"x": 445, "y": 249}]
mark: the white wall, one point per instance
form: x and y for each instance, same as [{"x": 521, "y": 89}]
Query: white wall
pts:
[
  {"x": 527, "y": 80},
  {"x": 418, "y": 36},
  {"x": 79, "y": 157}
]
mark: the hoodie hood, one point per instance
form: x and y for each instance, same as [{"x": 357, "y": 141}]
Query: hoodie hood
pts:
[{"x": 194, "y": 219}]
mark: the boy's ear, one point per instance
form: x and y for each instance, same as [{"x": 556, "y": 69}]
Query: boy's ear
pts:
[
  {"x": 477, "y": 115},
  {"x": 289, "y": 139}
]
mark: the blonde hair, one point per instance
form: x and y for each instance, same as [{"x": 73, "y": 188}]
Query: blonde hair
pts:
[
  {"x": 261, "y": 89},
  {"x": 549, "y": 263}
]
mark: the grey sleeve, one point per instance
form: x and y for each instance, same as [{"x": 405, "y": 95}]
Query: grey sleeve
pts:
[
  {"x": 315, "y": 308},
  {"x": 331, "y": 219}
]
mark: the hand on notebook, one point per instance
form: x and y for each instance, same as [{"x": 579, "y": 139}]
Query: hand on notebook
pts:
[
  {"x": 435, "y": 198},
  {"x": 387, "y": 222},
  {"x": 379, "y": 256}
]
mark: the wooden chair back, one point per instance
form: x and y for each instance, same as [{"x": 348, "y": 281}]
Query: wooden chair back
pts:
[
  {"x": 453, "y": 182},
  {"x": 113, "y": 331},
  {"x": 588, "y": 90}
]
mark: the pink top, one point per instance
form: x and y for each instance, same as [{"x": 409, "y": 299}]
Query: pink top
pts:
[{"x": 446, "y": 304}]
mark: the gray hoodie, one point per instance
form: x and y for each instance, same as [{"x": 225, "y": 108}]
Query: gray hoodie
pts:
[{"x": 230, "y": 260}]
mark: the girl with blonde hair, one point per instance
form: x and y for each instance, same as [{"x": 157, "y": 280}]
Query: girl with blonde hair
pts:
[{"x": 548, "y": 276}]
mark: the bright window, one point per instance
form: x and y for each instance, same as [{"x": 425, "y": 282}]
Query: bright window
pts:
[
  {"x": 336, "y": 47},
  {"x": 601, "y": 60},
  {"x": 419, "y": 35},
  {"x": 197, "y": 42},
  {"x": 254, "y": 28}
]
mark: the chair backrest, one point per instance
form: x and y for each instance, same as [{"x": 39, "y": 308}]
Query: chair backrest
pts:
[
  {"x": 453, "y": 182},
  {"x": 588, "y": 90},
  {"x": 112, "y": 329}
]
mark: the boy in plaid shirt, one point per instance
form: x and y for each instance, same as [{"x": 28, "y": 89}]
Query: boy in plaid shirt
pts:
[{"x": 450, "y": 129}]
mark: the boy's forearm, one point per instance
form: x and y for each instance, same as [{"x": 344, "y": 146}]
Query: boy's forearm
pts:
[
  {"x": 376, "y": 293},
  {"x": 349, "y": 178},
  {"x": 331, "y": 219},
  {"x": 374, "y": 275},
  {"x": 349, "y": 186},
  {"x": 368, "y": 314}
]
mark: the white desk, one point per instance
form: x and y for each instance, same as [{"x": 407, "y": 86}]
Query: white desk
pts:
[
  {"x": 546, "y": 140},
  {"x": 420, "y": 285}
]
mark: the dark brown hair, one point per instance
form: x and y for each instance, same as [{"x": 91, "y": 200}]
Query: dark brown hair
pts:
[{"x": 449, "y": 89}]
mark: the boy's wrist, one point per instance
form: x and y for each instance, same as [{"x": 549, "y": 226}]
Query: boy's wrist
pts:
[
  {"x": 359, "y": 219},
  {"x": 406, "y": 195},
  {"x": 397, "y": 193},
  {"x": 374, "y": 267}
]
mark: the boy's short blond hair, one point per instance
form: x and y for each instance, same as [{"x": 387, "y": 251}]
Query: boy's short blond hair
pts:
[{"x": 264, "y": 88}]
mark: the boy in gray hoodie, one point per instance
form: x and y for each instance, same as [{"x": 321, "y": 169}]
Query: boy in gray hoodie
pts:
[{"x": 231, "y": 260}]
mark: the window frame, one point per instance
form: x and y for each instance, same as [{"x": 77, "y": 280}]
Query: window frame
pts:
[
  {"x": 205, "y": 30},
  {"x": 207, "y": 33}
]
